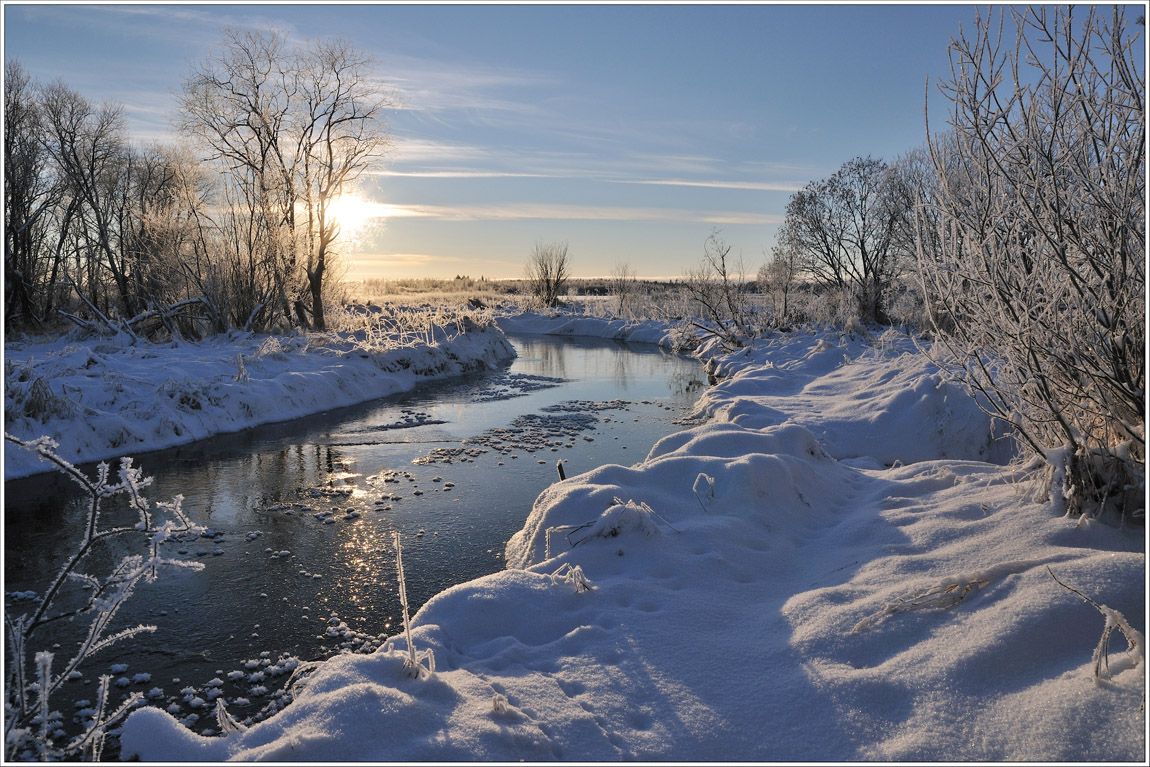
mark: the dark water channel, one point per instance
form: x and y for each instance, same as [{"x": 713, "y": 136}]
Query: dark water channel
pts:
[{"x": 299, "y": 562}]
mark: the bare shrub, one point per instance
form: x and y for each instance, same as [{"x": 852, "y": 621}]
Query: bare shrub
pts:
[
  {"x": 718, "y": 286},
  {"x": 624, "y": 287},
  {"x": 1035, "y": 270},
  {"x": 778, "y": 278}
]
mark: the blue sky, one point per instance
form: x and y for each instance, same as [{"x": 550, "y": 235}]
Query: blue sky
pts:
[{"x": 629, "y": 132}]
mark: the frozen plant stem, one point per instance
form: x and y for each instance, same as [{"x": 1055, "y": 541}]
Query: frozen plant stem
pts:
[
  {"x": 413, "y": 661},
  {"x": 410, "y": 662}
]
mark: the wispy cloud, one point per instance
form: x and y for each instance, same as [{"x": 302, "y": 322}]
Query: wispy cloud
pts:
[
  {"x": 457, "y": 174},
  {"x": 182, "y": 22},
  {"x": 427, "y": 85},
  {"x": 763, "y": 186},
  {"x": 427, "y": 158},
  {"x": 564, "y": 212}
]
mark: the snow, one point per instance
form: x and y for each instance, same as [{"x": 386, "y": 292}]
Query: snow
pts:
[
  {"x": 835, "y": 563},
  {"x": 104, "y": 400}
]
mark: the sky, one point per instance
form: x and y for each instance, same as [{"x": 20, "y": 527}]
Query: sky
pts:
[{"x": 629, "y": 132}]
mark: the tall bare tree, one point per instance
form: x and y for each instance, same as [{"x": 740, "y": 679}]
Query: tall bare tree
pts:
[
  {"x": 86, "y": 142},
  {"x": 238, "y": 103},
  {"x": 342, "y": 133},
  {"x": 294, "y": 126},
  {"x": 31, "y": 191}
]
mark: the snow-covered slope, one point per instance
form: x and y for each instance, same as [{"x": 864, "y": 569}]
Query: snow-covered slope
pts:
[
  {"x": 826, "y": 569},
  {"x": 99, "y": 400}
]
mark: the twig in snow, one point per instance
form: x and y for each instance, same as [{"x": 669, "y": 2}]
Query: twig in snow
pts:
[{"x": 1114, "y": 620}]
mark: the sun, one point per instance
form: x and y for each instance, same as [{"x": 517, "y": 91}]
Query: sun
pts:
[{"x": 353, "y": 212}]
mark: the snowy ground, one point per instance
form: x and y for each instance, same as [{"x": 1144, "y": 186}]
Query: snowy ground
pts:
[
  {"x": 833, "y": 565},
  {"x": 99, "y": 399}
]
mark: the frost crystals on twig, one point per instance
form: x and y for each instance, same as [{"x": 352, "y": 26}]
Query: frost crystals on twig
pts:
[
  {"x": 414, "y": 661},
  {"x": 29, "y": 727},
  {"x": 573, "y": 576}
]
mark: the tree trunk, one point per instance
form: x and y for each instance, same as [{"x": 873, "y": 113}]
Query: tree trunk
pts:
[{"x": 315, "y": 283}]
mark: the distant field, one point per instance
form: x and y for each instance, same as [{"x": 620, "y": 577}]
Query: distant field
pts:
[{"x": 464, "y": 291}]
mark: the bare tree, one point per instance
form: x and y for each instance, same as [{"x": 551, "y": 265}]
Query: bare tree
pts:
[
  {"x": 341, "y": 135},
  {"x": 1036, "y": 267},
  {"x": 31, "y": 191},
  {"x": 86, "y": 143},
  {"x": 778, "y": 277},
  {"x": 718, "y": 286},
  {"x": 547, "y": 271},
  {"x": 238, "y": 103},
  {"x": 843, "y": 227},
  {"x": 293, "y": 126}
]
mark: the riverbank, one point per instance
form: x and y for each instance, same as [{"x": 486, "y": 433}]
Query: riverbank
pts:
[
  {"x": 835, "y": 565},
  {"x": 100, "y": 400}
]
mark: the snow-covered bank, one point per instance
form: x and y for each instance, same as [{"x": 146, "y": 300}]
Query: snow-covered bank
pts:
[
  {"x": 827, "y": 569},
  {"x": 566, "y": 324},
  {"x": 100, "y": 400}
]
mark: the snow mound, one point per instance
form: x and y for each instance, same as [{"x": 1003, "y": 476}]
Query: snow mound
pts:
[{"x": 888, "y": 403}]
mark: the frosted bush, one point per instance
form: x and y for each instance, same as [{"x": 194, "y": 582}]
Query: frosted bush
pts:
[
  {"x": 618, "y": 519},
  {"x": 30, "y": 396},
  {"x": 27, "y": 729},
  {"x": 1032, "y": 250},
  {"x": 273, "y": 349},
  {"x": 832, "y": 308}
]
